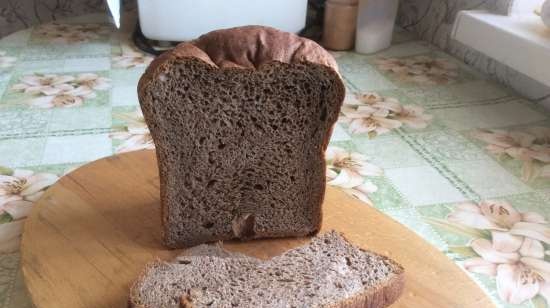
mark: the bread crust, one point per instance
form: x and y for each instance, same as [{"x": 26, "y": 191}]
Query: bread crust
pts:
[{"x": 249, "y": 48}]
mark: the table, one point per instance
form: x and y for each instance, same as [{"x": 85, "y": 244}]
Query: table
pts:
[{"x": 90, "y": 235}]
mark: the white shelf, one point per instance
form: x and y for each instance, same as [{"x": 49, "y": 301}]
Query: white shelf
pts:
[{"x": 519, "y": 41}]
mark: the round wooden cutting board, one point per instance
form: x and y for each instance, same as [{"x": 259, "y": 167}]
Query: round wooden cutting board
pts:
[{"x": 91, "y": 234}]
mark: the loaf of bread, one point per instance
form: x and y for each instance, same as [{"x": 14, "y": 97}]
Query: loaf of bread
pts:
[
  {"x": 327, "y": 272},
  {"x": 241, "y": 119}
]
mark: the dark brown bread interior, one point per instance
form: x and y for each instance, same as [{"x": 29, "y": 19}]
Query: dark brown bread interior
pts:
[
  {"x": 241, "y": 119},
  {"x": 327, "y": 272}
]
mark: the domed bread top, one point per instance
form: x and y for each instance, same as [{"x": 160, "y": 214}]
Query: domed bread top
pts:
[{"x": 245, "y": 47}]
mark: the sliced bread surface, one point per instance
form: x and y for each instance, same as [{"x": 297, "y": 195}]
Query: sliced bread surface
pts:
[
  {"x": 327, "y": 272},
  {"x": 241, "y": 119}
]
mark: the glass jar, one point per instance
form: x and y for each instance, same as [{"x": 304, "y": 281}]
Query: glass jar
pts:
[{"x": 375, "y": 23}]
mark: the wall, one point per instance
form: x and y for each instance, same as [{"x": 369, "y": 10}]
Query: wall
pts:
[
  {"x": 20, "y": 14},
  {"x": 432, "y": 20}
]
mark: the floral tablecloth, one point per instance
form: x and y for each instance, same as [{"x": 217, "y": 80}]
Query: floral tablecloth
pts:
[{"x": 460, "y": 160}]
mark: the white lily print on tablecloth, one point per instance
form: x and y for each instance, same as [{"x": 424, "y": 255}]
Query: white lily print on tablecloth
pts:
[
  {"x": 375, "y": 115},
  {"x": 65, "y": 97},
  {"x": 34, "y": 84},
  {"x": 18, "y": 191},
  {"x": 136, "y": 134},
  {"x": 71, "y": 33},
  {"x": 348, "y": 170},
  {"x": 6, "y": 61},
  {"x": 421, "y": 70},
  {"x": 131, "y": 57},
  {"x": 93, "y": 81},
  {"x": 513, "y": 250},
  {"x": 531, "y": 147},
  {"x": 61, "y": 91}
]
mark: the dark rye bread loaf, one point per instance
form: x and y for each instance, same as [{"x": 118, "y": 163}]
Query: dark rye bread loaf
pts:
[
  {"x": 241, "y": 119},
  {"x": 327, "y": 272}
]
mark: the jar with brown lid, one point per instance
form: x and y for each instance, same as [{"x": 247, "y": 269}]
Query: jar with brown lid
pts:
[{"x": 340, "y": 24}]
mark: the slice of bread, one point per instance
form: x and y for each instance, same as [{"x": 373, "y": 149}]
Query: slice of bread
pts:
[
  {"x": 327, "y": 272},
  {"x": 241, "y": 119}
]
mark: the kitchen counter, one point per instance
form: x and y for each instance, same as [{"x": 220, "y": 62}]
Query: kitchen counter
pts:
[{"x": 415, "y": 140}]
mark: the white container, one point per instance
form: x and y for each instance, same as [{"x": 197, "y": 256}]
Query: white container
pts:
[
  {"x": 375, "y": 23},
  {"x": 182, "y": 20}
]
